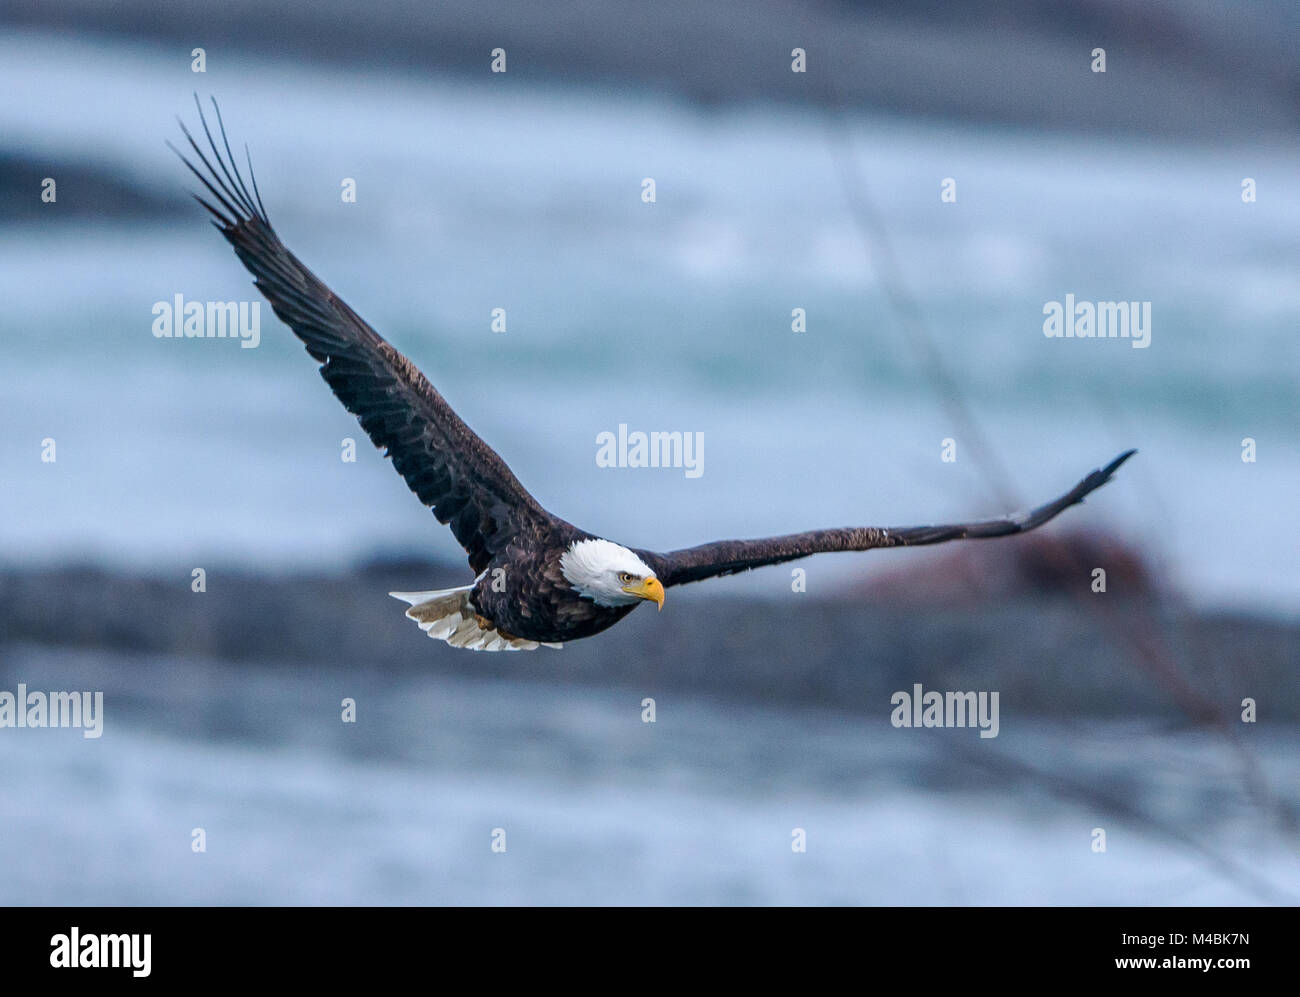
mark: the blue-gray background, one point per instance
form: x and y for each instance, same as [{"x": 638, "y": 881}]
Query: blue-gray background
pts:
[{"x": 522, "y": 191}]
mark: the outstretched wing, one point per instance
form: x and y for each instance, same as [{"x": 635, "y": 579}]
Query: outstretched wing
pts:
[
  {"x": 466, "y": 484},
  {"x": 726, "y": 557}
]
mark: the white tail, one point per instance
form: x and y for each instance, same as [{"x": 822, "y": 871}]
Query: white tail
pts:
[{"x": 448, "y": 614}]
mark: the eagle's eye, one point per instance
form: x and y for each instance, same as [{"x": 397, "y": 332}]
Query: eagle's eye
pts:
[{"x": 624, "y": 578}]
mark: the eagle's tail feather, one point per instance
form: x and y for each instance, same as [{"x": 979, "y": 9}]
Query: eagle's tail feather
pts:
[{"x": 449, "y": 614}]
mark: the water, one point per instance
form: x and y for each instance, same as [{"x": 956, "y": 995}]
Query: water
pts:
[
  {"x": 665, "y": 316},
  {"x": 597, "y": 806}
]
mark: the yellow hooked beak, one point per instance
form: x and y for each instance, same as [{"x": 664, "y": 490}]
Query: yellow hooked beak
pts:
[{"x": 647, "y": 588}]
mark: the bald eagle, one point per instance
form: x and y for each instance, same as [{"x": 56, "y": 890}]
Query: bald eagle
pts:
[{"x": 539, "y": 581}]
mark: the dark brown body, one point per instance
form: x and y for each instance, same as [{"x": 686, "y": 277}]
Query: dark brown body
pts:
[{"x": 524, "y": 593}]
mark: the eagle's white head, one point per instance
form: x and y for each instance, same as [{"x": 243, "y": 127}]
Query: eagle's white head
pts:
[{"x": 609, "y": 574}]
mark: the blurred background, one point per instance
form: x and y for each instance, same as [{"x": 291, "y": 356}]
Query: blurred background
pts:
[{"x": 774, "y": 191}]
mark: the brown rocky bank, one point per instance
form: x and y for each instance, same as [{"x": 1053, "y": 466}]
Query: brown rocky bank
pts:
[{"x": 1018, "y": 617}]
